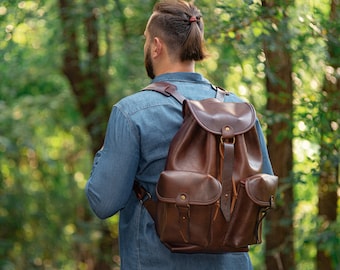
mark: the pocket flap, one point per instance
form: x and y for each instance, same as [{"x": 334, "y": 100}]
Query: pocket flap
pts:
[
  {"x": 261, "y": 188},
  {"x": 183, "y": 187},
  {"x": 213, "y": 115}
]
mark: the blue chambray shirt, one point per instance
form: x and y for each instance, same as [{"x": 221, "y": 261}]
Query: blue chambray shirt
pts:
[{"x": 136, "y": 144}]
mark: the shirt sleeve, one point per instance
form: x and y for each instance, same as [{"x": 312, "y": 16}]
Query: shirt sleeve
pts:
[{"x": 114, "y": 167}]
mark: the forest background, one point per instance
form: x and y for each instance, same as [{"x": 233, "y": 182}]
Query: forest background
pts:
[{"x": 64, "y": 64}]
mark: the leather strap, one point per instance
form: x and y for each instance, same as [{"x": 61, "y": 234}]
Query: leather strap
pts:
[
  {"x": 220, "y": 93},
  {"x": 227, "y": 186},
  {"x": 167, "y": 89},
  {"x": 184, "y": 222},
  {"x": 145, "y": 199}
]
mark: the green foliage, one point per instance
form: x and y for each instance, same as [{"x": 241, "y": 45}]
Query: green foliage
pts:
[
  {"x": 233, "y": 32},
  {"x": 43, "y": 160},
  {"x": 41, "y": 178},
  {"x": 45, "y": 156}
]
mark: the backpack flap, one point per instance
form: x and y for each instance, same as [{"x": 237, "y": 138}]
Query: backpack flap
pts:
[
  {"x": 189, "y": 188},
  {"x": 261, "y": 189},
  {"x": 213, "y": 115}
]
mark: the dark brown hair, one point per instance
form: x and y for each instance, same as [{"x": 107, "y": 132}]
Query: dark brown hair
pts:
[{"x": 180, "y": 25}]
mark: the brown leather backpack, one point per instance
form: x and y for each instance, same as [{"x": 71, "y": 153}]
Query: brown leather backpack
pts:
[{"x": 212, "y": 196}]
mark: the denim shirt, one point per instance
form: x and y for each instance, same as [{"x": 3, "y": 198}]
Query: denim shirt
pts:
[{"x": 136, "y": 144}]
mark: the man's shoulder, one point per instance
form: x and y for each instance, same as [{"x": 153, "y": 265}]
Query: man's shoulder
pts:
[{"x": 141, "y": 100}]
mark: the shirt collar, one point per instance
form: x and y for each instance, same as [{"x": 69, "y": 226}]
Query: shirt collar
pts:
[{"x": 181, "y": 76}]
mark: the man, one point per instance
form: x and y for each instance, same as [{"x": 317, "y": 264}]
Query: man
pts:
[{"x": 137, "y": 140}]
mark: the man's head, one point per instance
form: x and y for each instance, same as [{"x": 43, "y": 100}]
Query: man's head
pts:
[{"x": 179, "y": 26}]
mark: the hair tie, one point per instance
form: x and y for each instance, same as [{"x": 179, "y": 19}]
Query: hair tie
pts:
[{"x": 193, "y": 19}]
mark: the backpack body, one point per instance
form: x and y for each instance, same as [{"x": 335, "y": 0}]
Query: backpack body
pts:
[{"x": 211, "y": 196}]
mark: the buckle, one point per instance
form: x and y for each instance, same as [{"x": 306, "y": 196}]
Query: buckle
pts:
[
  {"x": 145, "y": 197},
  {"x": 141, "y": 194}
]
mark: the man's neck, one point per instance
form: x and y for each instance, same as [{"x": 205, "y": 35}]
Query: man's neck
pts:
[{"x": 168, "y": 67}]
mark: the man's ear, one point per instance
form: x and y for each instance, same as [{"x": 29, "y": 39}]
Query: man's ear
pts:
[{"x": 157, "y": 47}]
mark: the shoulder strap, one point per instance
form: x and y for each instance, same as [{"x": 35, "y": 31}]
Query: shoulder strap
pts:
[
  {"x": 168, "y": 89},
  {"x": 220, "y": 93}
]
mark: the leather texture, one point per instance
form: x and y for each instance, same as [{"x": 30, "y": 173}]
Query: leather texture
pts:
[{"x": 212, "y": 196}]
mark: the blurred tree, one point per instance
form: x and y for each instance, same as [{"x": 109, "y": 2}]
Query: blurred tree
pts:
[
  {"x": 279, "y": 84},
  {"x": 82, "y": 67},
  {"x": 87, "y": 77},
  {"x": 88, "y": 59},
  {"x": 329, "y": 144}
]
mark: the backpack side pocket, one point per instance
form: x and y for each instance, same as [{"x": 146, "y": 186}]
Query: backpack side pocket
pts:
[{"x": 255, "y": 198}]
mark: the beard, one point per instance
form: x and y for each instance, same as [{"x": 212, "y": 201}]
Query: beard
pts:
[{"x": 148, "y": 64}]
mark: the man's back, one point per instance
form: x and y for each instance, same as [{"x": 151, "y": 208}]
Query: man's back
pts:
[{"x": 147, "y": 123}]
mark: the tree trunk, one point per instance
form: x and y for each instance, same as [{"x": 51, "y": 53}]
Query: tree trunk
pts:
[
  {"x": 279, "y": 239},
  {"x": 329, "y": 145},
  {"x": 87, "y": 82},
  {"x": 89, "y": 88}
]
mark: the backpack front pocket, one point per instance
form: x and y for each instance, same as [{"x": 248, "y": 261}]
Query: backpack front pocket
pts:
[{"x": 187, "y": 203}]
